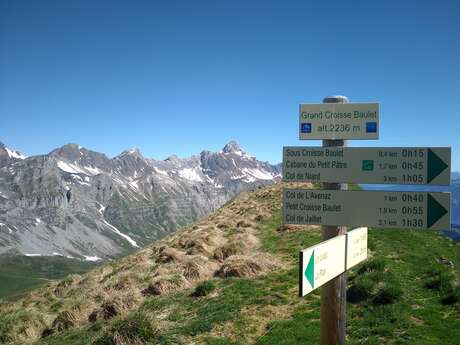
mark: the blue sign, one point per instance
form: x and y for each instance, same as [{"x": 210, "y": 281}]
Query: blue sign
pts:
[
  {"x": 371, "y": 127},
  {"x": 305, "y": 128}
]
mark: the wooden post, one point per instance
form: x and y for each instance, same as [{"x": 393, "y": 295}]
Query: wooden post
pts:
[{"x": 334, "y": 292}]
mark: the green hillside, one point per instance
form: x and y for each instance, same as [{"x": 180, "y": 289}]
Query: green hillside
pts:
[
  {"x": 244, "y": 289},
  {"x": 20, "y": 274}
]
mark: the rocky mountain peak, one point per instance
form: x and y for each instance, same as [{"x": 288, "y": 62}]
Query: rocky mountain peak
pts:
[
  {"x": 233, "y": 147},
  {"x": 7, "y": 153},
  {"x": 3, "y": 151},
  {"x": 72, "y": 158},
  {"x": 172, "y": 158},
  {"x": 69, "y": 151},
  {"x": 132, "y": 152}
]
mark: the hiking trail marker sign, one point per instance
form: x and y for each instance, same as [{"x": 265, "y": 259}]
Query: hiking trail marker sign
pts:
[
  {"x": 334, "y": 121},
  {"x": 339, "y": 121},
  {"x": 403, "y": 210},
  {"x": 394, "y": 165},
  {"x": 325, "y": 261}
]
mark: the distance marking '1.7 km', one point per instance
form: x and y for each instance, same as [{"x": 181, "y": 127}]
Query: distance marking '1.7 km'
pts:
[{"x": 394, "y": 165}]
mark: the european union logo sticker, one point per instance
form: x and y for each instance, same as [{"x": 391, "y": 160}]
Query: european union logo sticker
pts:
[
  {"x": 371, "y": 127},
  {"x": 305, "y": 128}
]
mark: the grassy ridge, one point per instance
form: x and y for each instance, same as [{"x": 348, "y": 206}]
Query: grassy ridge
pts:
[
  {"x": 20, "y": 274},
  {"x": 399, "y": 298}
]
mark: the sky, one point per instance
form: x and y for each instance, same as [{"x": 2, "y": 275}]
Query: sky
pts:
[{"x": 177, "y": 77}]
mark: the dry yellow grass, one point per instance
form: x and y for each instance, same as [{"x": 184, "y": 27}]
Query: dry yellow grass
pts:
[
  {"x": 199, "y": 268},
  {"x": 247, "y": 266},
  {"x": 166, "y": 284}
]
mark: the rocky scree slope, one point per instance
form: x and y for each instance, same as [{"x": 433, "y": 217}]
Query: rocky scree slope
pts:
[{"x": 79, "y": 203}]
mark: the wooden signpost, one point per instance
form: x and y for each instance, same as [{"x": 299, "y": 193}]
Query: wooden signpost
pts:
[{"x": 334, "y": 165}]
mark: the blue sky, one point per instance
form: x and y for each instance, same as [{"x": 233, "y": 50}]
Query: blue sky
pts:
[{"x": 182, "y": 76}]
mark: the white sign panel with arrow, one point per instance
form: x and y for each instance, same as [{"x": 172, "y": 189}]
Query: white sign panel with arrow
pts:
[
  {"x": 395, "y": 165},
  {"x": 404, "y": 210},
  {"x": 325, "y": 261}
]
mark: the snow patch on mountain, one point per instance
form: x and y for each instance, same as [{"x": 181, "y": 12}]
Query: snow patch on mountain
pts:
[
  {"x": 92, "y": 258},
  {"x": 159, "y": 171},
  {"x": 3, "y": 225},
  {"x": 115, "y": 230},
  {"x": 257, "y": 174},
  {"x": 93, "y": 171},
  {"x": 80, "y": 180},
  {"x": 134, "y": 184},
  {"x": 101, "y": 209},
  {"x": 75, "y": 169},
  {"x": 190, "y": 174},
  {"x": 14, "y": 154},
  {"x": 236, "y": 152},
  {"x": 70, "y": 168}
]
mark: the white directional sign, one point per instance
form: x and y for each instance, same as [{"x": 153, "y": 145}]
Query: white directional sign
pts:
[
  {"x": 356, "y": 246},
  {"x": 325, "y": 261},
  {"x": 395, "y": 165},
  {"x": 339, "y": 121},
  {"x": 321, "y": 263},
  {"x": 405, "y": 210}
]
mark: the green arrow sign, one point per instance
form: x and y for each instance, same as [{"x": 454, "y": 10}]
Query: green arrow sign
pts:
[
  {"x": 310, "y": 270},
  {"x": 435, "y": 165},
  {"x": 435, "y": 211}
]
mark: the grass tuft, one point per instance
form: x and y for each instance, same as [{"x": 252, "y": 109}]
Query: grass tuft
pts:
[
  {"x": 372, "y": 265},
  {"x": 373, "y": 284},
  {"x": 136, "y": 329},
  {"x": 360, "y": 290},
  {"x": 388, "y": 294},
  {"x": 204, "y": 289},
  {"x": 442, "y": 281}
]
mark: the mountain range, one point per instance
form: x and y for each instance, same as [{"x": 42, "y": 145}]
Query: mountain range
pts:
[{"x": 79, "y": 203}]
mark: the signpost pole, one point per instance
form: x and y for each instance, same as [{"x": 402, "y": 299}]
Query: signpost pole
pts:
[{"x": 333, "y": 293}]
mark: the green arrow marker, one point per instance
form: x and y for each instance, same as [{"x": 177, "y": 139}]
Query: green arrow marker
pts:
[
  {"x": 310, "y": 270},
  {"x": 435, "y": 165},
  {"x": 435, "y": 211}
]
